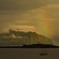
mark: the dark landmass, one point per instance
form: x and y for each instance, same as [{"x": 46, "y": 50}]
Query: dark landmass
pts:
[
  {"x": 31, "y": 46},
  {"x": 40, "y": 46}
]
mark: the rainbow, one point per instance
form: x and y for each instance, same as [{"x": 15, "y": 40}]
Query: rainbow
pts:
[{"x": 44, "y": 22}]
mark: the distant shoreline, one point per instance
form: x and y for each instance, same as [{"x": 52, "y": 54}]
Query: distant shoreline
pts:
[{"x": 30, "y": 46}]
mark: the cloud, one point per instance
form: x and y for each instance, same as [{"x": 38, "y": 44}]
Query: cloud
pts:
[
  {"x": 43, "y": 18},
  {"x": 29, "y": 12},
  {"x": 25, "y": 28}
]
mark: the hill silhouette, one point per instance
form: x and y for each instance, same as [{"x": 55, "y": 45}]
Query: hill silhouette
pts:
[{"x": 21, "y": 39}]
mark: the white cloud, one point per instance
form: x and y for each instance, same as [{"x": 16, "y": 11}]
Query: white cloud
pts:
[{"x": 25, "y": 28}]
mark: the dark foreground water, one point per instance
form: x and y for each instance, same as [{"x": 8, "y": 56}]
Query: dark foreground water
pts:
[{"x": 28, "y": 53}]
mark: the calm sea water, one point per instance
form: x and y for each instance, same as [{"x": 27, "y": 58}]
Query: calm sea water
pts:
[{"x": 26, "y": 53}]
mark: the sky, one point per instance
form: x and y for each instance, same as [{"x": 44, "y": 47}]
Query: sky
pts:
[{"x": 41, "y": 16}]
